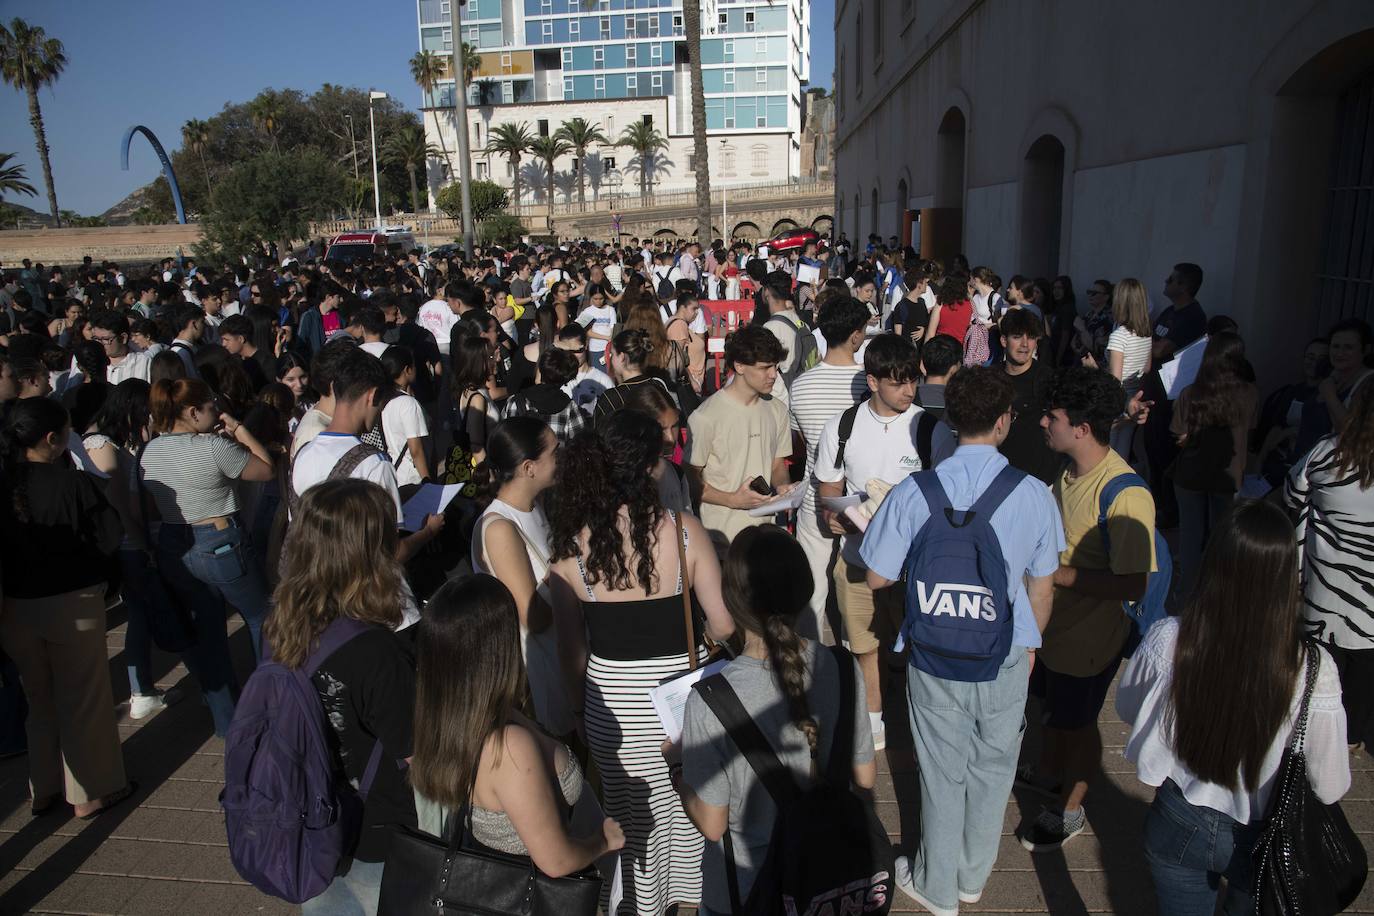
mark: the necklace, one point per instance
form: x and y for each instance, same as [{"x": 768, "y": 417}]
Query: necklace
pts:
[{"x": 886, "y": 424}]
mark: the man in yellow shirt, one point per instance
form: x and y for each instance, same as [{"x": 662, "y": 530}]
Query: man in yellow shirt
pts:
[{"x": 1088, "y": 629}]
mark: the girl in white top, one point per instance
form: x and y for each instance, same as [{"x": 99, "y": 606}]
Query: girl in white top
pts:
[
  {"x": 511, "y": 542},
  {"x": 1212, "y": 697},
  {"x": 1128, "y": 350}
]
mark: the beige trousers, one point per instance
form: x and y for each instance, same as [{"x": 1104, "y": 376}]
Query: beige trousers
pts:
[{"x": 58, "y": 644}]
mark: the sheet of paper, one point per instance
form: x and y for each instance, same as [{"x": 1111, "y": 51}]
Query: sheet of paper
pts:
[
  {"x": 792, "y": 499},
  {"x": 1254, "y": 487},
  {"x": 808, "y": 274},
  {"x": 715, "y": 345},
  {"x": 763, "y": 251},
  {"x": 617, "y": 893},
  {"x": 430, "y": 499},
  {"x": 841, "y": 503},
  {"x": 670, "y": 698},
  {"x": 857, "y": 517},
  {"x": 1179, "y": 372}
]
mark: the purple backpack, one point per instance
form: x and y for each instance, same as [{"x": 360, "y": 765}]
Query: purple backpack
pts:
[{"x": 290, "y": 813}]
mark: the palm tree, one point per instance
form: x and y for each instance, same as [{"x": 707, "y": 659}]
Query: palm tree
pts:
[
  {"x": 410, "y": 149},
  {"x": 266, "y": 112},
  {"x": 645, "y": 140},
  {"x": 427, "y": 68},
  {"x": 13, "y": 179},
  {"x": 691, "y": 24},
  {"x": 195, "y": 136},
  {"x": 30, "y": 60},
  {"x": 549, "y": 149},
  {"x": 511, "y": 141},
  {"x": 579, "y": 133},
  {"x": 472, "y": 62}
]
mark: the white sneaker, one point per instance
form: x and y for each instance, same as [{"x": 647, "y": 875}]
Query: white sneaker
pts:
[
  {"x": 907, "y": 885},
  {"x": 141, "y": 706},
  {"x": 966, "y": 897}
]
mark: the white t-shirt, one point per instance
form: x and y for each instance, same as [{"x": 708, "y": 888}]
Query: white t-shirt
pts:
[
  {"x": 134, "y": 365},
  {"x": 438, "y": 319},
  {"x": 697, "y": 325},
  {"x": 587, "y": 386},
  {"x": 375, "y": 347},
  {"x": 317, "y": 458},
  {"x": 884, "y": 449},
  {"x": 1135, "y": 353},
  {"x": 402, "y": 420},
  {"x": 601, "y": 320}
]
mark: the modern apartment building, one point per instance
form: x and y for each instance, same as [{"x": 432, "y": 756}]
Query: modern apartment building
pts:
[{"x": 613, "y": 62}]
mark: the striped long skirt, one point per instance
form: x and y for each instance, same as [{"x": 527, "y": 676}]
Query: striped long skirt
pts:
[{"x": 661, "y": 862}]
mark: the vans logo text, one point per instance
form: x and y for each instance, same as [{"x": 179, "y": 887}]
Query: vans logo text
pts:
[{"x": 956, "y": 600}]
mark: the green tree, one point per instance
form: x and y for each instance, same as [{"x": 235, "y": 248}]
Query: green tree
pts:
[
  {"x": 579, "y": 133},
  {"x": 271, "y": 197},
  {"x": 549, "y": 149},
  {"x": 501, "y": 228},
  {"x": 30, "y": 60},
  {"x": 487, "y": 199},
  {"x": 427, "y": 68},
  {"x": 691, "y": 23},
  {"x": 409, "y": 149},
  {"x": 511, "y": 141},
  {"x": 487, "y": 90},
  {"x": 472, "y": 62},
  {"x": 267, "y": 113},
  {"x": 195, "y": 136},
  {"x": 13, "y": 178},
  {"x": 645, "y": 141}
]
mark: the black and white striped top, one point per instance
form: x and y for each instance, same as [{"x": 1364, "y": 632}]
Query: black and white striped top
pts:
[
  {"x": 190, "y": 476},
  {"x": 1336, "y": 536}
]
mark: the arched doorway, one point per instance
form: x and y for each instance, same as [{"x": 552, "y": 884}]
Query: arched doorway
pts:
[
  {"x": 824, "y": 224},
  {"x": 1345, "y": 261},
  {"x": 746, "y": 230},
  {"x": 1042, "y": 206},
  {"x": 899, "y": 217},
  {"x": 782, "y": 225},
  {"x": 949, "y": 160}
]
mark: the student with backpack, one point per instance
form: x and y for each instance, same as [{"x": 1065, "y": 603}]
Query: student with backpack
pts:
[
  {"x": 315, "y": 762},
  {"x": 1103, "y": 565},
  {"x": 979, "y": 543},
  {"x": 795, "y": 335},
  {"x": 798, "y": 711}
]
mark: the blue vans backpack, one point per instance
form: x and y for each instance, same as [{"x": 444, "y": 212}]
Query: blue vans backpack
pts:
[
  {"x": 1150, "y": 609},
  {"x": 290, "y": 813},
  {"x": 958, "y": 606}
]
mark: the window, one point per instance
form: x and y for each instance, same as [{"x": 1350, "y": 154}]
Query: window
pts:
[
  {"x": 605, "y": 27},
  {"x": 444, "y": 9},
  {"x": 543, "y": 127},
  {"x": 727, "y": 48},
  {"x": 447, "y": 36},
  {"x": 630, "y": 27},
  {"x": 599, "y": 86},
  {"x": 574, "y": 30},
  {"x": 505, "y": 60},
  {"x": 576, "y": 165},
  {"x": 729, "y": 80},
  {"x": 547, "y": 31},
  {"x": 474, "y": 34},
  {"x": 567, "y": 87},
  {"x": 724, "y": 21},
  {"x": 761, "y": 46},
  {"x": 481, "y": 171},
  {"x": 607, "y": 164},
  {"x": 507, "y": 92},
  {"x": 748, "y": 20},
  {"x": 653, "y": 26},
  {"x": 567, "y": 58},
  {"x": 677, "y": 22},
  {"x": 598, "y": 57},
  {"x": 630, "y": 56},
  {"x": 727, "y": 160},
  {"x": 545, "y": 7},
  {"x": 656, "y": 83},
  {"x": 729, "y": 122},
  {"x": 761, "y": 77},
  {"x": 477, "y": 134},
  {"x": 631, "y": 82},
  {"x": 761, "y": 120},
  {"x": 655, "y": 53},
  {"x": 510, "y": 169},
  {"x": 759, "y": 159},
  {"x": 610, "y": 126},
  {"x": 647, "y": 119}
]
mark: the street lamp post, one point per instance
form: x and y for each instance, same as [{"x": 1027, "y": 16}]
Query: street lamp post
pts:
[
  {"x": 460, "y": 104},
  {"x": 373, "y": 96},
  {"x": 724, "y": 193}
]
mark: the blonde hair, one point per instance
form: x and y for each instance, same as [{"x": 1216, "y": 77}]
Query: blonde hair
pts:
[
  {"x": 1131, "y": 307},
  {"x": 339, "y": 560}
]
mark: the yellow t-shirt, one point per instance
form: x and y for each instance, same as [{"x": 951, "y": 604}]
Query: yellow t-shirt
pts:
[
  {"x": 1085, "y": 634},
  {"x": 733, "y": 443}
]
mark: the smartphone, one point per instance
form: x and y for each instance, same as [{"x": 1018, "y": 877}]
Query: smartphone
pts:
[{"x": 761, "y": 486}]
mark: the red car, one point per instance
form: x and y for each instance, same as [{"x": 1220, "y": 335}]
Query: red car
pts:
[{"x": 795, "y": 238}]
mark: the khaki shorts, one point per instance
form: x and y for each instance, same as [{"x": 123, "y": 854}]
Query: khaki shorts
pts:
[{"x": 871, "y": 619}]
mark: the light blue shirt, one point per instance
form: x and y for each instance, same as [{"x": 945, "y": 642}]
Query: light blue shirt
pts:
[{"x": 1027, "y": 525}]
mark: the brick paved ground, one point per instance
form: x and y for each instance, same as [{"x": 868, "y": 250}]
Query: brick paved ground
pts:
[{"x": 166, "y": 853}]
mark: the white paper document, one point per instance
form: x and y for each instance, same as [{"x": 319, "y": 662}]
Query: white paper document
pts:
[
  {"x": 841, "y": 503},
  {"x": 788, "y": 501},
  {"x": 430, "y": 499},
  {"x": 1180, "y": 372},
  {"x": 806, "y": 273},
  {"x": 670, "y": 697}
]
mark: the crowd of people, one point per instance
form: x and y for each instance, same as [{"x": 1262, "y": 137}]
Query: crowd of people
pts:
[{"x": 984, "y": 467}]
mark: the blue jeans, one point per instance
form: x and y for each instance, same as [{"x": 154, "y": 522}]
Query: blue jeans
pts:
[
  {"x": 968, "y": 736},
  {"x": 207, "y": 567},
  {"x": 354, "y": 894},
  {"x": 1190, "y": 848},
  {"x": 142, "y": 594}
]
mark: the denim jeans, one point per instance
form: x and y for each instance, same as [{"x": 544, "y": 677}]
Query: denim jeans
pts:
[
  {"x": 354, "y": 894},
  {"x": 141, "y": 592},
  {"x": 1190, "y": 848},
  {"x": 968, "y": 736},
  {"x": 1198, "y": 513},
  {"x": 208, "y": 567}
]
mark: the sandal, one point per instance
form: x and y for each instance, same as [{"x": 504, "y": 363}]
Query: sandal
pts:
[{"x": 110, "y": 801}]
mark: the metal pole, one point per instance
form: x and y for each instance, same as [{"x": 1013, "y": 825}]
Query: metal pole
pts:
[
  {"x": 376, "y": 188},
  {"x": 724, "y": 193},
  {"x": 460, "y": 104}
]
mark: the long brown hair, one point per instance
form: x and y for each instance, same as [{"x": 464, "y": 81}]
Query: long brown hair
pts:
[
  {"x": 766, "y": 584},
  {"x": 168, "y": 399},
  {"x": 469, "y": 679},
  {"x": 1239, "y": 648},
  {"x": 1216, "y": 396},
  {"x": 339, "y": 560},
  {"x": 1355, "y": 444},
  {"x": 645, "y": 316}
]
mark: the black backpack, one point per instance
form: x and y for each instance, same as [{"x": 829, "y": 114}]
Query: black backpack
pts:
[
  {"x": 925, "y": 434},
  {"x": 828, "y": 852},
  {"x": 667, "y": 290}
]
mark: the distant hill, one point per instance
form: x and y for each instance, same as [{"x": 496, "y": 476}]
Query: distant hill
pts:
[
  {"x": 122, "y": 213},
  {"x": 28, "y": 218}
]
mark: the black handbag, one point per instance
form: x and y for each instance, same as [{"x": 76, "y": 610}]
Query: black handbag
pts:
[
  {"x": 1308, "y": 862},
  {"x": 426, "y": 875}
]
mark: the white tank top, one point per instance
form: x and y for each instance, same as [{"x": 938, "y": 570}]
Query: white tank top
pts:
[{"x": 534, "y": 531}]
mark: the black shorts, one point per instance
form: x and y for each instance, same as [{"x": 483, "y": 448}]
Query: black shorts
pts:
[{"x": 1069, "y": 702}]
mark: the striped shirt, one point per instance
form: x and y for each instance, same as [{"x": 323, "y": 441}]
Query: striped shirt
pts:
[
  {"x": 819, "y": 394},
  {"x": 190, "y": 476}
]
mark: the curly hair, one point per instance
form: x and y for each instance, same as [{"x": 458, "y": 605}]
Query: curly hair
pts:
[
  {"x": 599, "y": 472},
  {"x": 339, "y": 560},
  {"x": 1355, "y": 440},
  {"x": 1086, "y": 395},
  {"x": 954, "y": 288},
  {"x": 1215, "y": 397}
]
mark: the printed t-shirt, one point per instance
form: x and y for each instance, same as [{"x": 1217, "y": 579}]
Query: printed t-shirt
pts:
[{"x": 734, "y": 443}]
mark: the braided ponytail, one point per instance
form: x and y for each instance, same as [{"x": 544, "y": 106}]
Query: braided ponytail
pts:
[{"x": 789, "y": 667}]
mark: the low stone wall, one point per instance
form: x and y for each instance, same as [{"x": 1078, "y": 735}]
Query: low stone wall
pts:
[{"x": 107, "y": 243}]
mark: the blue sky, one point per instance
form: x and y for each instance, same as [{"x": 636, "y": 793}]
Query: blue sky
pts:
[{"x": 162, "y": 62}]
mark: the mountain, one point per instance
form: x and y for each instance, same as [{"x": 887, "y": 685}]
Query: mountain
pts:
[{"x": 24, "y": 217}]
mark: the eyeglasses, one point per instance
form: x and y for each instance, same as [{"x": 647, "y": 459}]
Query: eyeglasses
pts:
[
  {"x": 103, "y": 340},
  {"x": 1097, "y": 292}
]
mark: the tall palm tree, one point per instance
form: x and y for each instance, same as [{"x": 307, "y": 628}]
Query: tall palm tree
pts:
[
  {"x": 511, "y": 141},
  {"x": 427, "y": 68},
  {"x": 579, "y": 133},
  {"x": 266, "y": 112},
  {"x": 472, "y": 62},
  {"x": 13, "y": 178},
  {"x": 645, "y": 140},
  {"x": 195, "y": 136},
  {"x": 30, "y": 60},
  {"x": 410, "y": 149},
  {"x": 691, "y": 24},
  {"x": 549, "y": 149}
]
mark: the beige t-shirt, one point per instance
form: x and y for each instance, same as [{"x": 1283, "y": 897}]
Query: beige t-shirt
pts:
[{"x": 733, "y": 443}]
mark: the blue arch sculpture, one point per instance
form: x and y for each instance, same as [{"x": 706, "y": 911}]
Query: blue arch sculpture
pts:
[{"x": 167, "y": 172}]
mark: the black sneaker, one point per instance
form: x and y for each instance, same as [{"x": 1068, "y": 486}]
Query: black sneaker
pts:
[
  {"x": 1027, "y": 778},
  {"x": 1049, "y": 833}
]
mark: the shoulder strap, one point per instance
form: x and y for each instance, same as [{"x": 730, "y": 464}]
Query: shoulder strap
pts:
[
  {"x": 1007, "y": 480},
  {"x": 685, "y": 588},
  {"x": 925, "y": 435},
  {"x": 722, "y": 700},
  {"x": 933, "y": 491},
  {"x": 350, "y": 460},
  {"x": 846, "y": 429},
  {"x": 340, "y": 632},
  {"x": 1314, "y": 660},
  {"x": 842, "y": 743},
  {"x": 1108, "y": 496}
]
